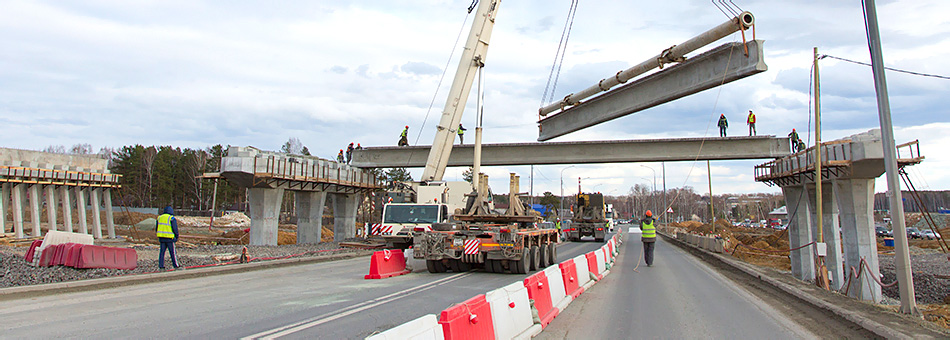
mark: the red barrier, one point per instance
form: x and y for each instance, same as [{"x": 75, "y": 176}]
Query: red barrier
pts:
[
  {"x": 569, "y": 273},
  {"x": 91, "y": 256},
  {"x": 468, "y": 320},
  {"x": 72, "y": 255},
  {"x": 57, "y": 253},
  {"x": 387, "y": 263},
  {"x": 538, "y": 291},
  {"x": 610, "y": 245},
  {"x": 592, "y": 265},
  {"x": 46, "y": 257},
  {"x": 32, "y": 250}
]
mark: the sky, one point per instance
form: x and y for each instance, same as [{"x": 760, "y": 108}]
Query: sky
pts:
[{"x": 253, "y": 73}]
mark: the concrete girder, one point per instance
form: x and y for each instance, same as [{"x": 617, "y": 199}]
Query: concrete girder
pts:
[
  {"x": 620, "y": 151},
  {"x": 716, "y": 67}
]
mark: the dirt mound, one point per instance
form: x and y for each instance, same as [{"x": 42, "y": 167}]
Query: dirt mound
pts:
[{"x": 130, "y": 217}]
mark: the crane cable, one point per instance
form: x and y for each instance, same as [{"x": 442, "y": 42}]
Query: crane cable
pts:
[{"x": 559, "y": 55}]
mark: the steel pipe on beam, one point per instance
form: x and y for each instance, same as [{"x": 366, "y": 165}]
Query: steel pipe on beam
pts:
[
  {"x": 622, "y": 151},
  {"x": 716, "y": 67}
]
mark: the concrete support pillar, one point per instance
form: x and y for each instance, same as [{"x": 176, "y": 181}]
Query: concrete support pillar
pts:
[
  {"x": 799, "y": 232},
  {"x": 310, "y": 216},
  {"x": 35, "y": 199},
  {"x": 344, "y": 216},
  {"x": 67, "y": 209},
  {"x": 96, "y": 220},
  {"x": 265, "y": 213},
  {"x": 51, "y": 207},
  {"x": 19, "y": 194},
  {"x": 81, "y": 209},
  {"x": 4, "y": 205},
  {"x": 110, "y": 222},
  {"x": 855, "y": 198},
  {"x": 831, "y": 231}
]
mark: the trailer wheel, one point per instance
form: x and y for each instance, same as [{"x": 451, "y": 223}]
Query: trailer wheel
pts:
[
  {"x": 498, "y": 266},
  {"x": 552, "y": 253},
  {"x": 521, "y": 266},
  {"x": 458, "y": 266},
  {"x": 489, "y": 266},
  {"x": 535, "y": 258},
  {"x": 435, "y": 266},
  {"x": 544, "y": 262}
]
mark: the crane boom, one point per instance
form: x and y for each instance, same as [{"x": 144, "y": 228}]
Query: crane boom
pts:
[{"x": 473, "y": 57}]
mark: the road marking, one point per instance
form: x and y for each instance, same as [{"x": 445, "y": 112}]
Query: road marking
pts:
[{"x": 327, "y": 317}]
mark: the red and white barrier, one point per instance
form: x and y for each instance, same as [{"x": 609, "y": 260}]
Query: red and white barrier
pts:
[
  {"x": 511, "y": 312},
  {"x": 387, "y": 263},
  {"x": 583, "y": 272},
  {"x": 468, "y": 320},
  {"x": 539, "y": 291},
  {"x": 426, "y": 327},
  {"x": 559, "y": 297}
]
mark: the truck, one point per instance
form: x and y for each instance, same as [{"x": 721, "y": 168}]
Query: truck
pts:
[
  {"x": 429, "y": 204},
  {"x": 590, "y": 218}
]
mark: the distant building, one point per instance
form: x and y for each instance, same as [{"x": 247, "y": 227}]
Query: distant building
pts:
[{"x": 780, "y": 213}]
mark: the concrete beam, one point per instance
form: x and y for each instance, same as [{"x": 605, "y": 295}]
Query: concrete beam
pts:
[
  {"x": 265, "y": 213},
  {"x": 620, "y": 151},
  {"x": 344, "y": 216},
  {"x": 721, "y": 65},
  {"x": 310, "y": 206}
]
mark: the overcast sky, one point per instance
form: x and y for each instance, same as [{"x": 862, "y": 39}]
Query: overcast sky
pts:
[{"x": 254, "y": 73}]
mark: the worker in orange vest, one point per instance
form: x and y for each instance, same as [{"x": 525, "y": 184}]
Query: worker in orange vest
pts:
[{"x": 751, "y": 122}]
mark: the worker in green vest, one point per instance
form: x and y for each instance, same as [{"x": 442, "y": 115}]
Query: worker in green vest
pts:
[
  {"x": 557, "y": 225},
  {"x": 648, "y": 236},
  {"x": 461, "y": 132},
  {"x": 166, "y": 228},
  {"x": 404, "y": 137}
]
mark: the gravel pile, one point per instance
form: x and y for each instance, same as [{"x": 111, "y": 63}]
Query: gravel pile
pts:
[
  {"x": 927, "y": 287},
  {"x": 14, "y": 271}
]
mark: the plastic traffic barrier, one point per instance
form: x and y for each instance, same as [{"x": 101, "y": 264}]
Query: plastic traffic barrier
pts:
[
  {"x": 54, "y": 237},
  {"x": 471, "y": 319},
  {"x": 424, "y": 328},
  {"x": 58, "y": 251},
  {"x": 539, "y": 291},
  {"x": 559, "y": 298},
  {"x": 387, "y": 263},
  {"x": 72, "y": 254},
  {"x": 32, "y": 251},
  {"x": 583, "y": 272},
  {"x": 511, "y": 312},
  {"x": 592, "y": 267},
  {"x": 601, "y": 261},
  {"x": 572, "y": 286},
  {"x": 91, "y": 256}
]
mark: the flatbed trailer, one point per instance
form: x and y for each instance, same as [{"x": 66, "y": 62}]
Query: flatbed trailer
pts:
[{"x": 515, "y": 247}]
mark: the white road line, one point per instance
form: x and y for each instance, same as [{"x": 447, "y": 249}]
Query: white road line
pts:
[{"x": 327, "y": 317}]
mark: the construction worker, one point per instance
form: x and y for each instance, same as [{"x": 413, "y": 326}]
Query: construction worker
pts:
[
  {"x": 340, "y": 158},
  {"x": 793, "y": 140},
  {"x": 359, "y": 147},
  {"x": 403, "y": 137},
  {"x": 349, "y": 153},
  {"x": 166, "y": 228},
  {"x": 461, "y": 132},
  {"x": 723, "y": 124},
  {"x": 801, "y": 145},
  {"x": 557, "y": 225},
  {"x": 751, "y": 122},
  {"x": 648, "y": 237}
]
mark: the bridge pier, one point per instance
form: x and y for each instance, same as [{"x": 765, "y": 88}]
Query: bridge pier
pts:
[
  {"x": 67, "y": 209},
  {"x": 857, "y": 195},
  {"x": 799, "y": 232},
  {"x": 4, "y": 205},
  {"x": 830, "y": 230},
  {"x": 265, "y": 213},
  {"x": 19, "y": 194},
  {"x": 51, "y": 205},
  {"x": 344, "y": 216},
  {"x": 309, "y": 206}
]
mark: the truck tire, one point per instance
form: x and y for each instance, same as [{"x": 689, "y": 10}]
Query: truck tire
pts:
[
  {"x": 435, "y": 266},
  {"x": 498, "y": 266},
  {"x": 535, "y": 258},
  {"x": 521, "y": 266},
  {"x": 544, "y": 263},
  {"x": 489, "y": 266},
  {"x": 552, "y": 253},
  {"x": 599, "y": 239}
]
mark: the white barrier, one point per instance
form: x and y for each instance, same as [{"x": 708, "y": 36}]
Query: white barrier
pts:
[
  {"x": 511, "y": 312},
  {"x": 559, "y": 298},
  {"x": 583, "y": 272},
  {"x": 601, "y": 261},
  {"x": 426, "y": 327},
  {"x": 54, "y": 237}
]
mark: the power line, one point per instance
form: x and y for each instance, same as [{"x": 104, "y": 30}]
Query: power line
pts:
[{"x": 823, "y": 56}]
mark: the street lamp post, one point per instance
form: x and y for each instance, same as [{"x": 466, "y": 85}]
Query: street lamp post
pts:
[
  {"x": 562, "y": 191},
  {"x": 653, "y": 194}
]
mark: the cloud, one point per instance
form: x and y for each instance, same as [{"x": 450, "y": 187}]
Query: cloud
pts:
[{"x": 420, "y": 68}]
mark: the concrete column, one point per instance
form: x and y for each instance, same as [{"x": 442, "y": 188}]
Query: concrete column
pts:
[
  {"x": 96, "y": 220},
  {"x": 67, "y": 209},
  {"x": 799, "y": 232},
  {"x": 831, "y": 231},
  {"x": 4, "y": 205},
  {"x": 51, "y": 206},
  {"x": 19, "y": 194},
  {"x": 856, "y": 202},
  {"x": 265, "y": 212},
  {"x": 110, "y": 222},
  {"x": 35, "y": 199},
  {"x": 310, "y": 215},
  {"x": 344, "y": 216},
  {"x": 81, "y": 209}
]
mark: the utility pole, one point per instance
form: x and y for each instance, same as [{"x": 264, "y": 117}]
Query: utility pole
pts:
[
  {"x": 562, "y": 191},
  {"x": 712, "y": 211},
  {"x": 666, "y": 204},
  {"x": 822, "y": 279},
  {"x": 905, "y": 281},
  {"x": 531, "y": 181}
]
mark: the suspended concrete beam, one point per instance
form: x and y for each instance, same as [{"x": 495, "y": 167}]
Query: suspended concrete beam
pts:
[
  {"x": 621, "y": 151},
  {"x": 721, "y": 65}
]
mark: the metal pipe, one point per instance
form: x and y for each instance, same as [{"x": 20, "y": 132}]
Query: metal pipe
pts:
[
  {"x": 477, "y": 166},
  {"x": 670, "y": 55}
]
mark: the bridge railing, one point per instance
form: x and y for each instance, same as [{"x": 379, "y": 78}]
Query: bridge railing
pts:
[
  {"x": 18, "y": 174},
  {"x": 833, "y": 154},
  {"x": 312, "y": 170}
]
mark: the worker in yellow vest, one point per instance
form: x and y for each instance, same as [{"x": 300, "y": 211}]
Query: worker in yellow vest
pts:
[
  {"x": 751, "y": 122},
  {"x": 166, "y": 228},
  {"x": 648, "y": 236}
]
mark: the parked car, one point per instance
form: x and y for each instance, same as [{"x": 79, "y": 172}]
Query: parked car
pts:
[
  {"x": 929, "y": 234},
  {"x": 881, "y": 231},
  {"x": 913, "y": 232},
  {"x": 781, "y": 226}
]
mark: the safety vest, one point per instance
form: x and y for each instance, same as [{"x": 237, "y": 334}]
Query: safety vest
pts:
[
  {"x": 752, "y": 118},
  {"x": 403, "y": 134},
  {"x": 165, "y": 226},
  {"x": 461, "y": 132},
  {"x": 558, "y": 225},
  {"x": 649, "y": 231}
]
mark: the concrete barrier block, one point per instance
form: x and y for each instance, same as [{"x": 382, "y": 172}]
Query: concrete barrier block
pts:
[
  {"x": 559, "y": 297},
  {"x": 583, "y": 271},
  {"x": 511, "y": 312}
]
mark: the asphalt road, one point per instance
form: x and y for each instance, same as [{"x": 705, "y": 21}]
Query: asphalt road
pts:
[
  {"x": 679, "y": 297},
  {"x": 329, "y": 300}
]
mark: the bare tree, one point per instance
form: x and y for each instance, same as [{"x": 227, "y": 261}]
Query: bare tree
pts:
[
  {"x": 81, "y": 149},
  {"x": 293, "y": 146},
  {"x": 55, "y": 149}
]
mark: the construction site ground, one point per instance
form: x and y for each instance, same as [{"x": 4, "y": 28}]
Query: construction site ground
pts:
[{"x": 930, "y": 266}]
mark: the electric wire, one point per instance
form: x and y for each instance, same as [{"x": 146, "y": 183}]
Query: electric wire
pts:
[{"x": 823, "y": 56}]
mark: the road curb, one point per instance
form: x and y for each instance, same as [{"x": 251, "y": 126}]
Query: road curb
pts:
[
  {"x": 864, "y": 322},
  {"x": 31, "y": 291}
]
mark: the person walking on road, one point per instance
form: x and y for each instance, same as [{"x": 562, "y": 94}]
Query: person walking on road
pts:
[
  {"x": 166, "y": 228},
  {"x": 793, "y": 140},
  {"x": 648, "y": 237},
  {"x": 349, "y": 153},
  {"x": 340, "y": 158},
  {"x": 461, "y": 134},
  {"x": 403, "y": 137},
  {"x": 723, "y": 124},
  {"x": 751, "y": 122}
]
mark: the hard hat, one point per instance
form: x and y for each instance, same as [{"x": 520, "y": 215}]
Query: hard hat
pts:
[
  {"x": 793, "y": 129},
  {"x": 649, "y": 213},
  {"x": 341, "y": 150},
  {"x": 357, "y": 144},
  {"x": 407, "y": 126},
  {"x": 351, "y": 143}
]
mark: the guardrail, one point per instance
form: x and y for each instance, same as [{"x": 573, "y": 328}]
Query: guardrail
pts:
[{"x": 17, "y": 174}]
